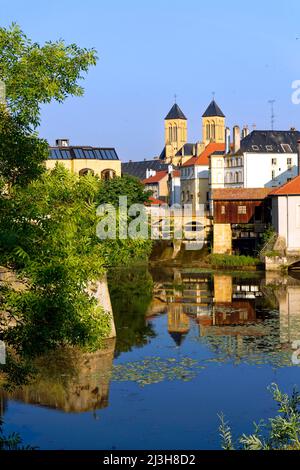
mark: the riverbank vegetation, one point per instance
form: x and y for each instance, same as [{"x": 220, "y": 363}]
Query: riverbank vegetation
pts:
[
  {"x": 232, "y": 261},
  {"x": 280, "y": 433},
  {"x": 48, "y": 219}
]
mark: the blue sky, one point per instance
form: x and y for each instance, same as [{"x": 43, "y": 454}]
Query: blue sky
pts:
[{"x": 246, "y": 52}]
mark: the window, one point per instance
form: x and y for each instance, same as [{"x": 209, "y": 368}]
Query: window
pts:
[
  {"x": 182, "y": 196},
  {"x": 286, "y": 148},
  {"x": 213, "y": 131},
  {"x": 269, "y": 148},
  {"x": 289, "y": 163},
  {"x": 175, "y": 134},
  {"x": 255, "y": 147},
  {"x": 86, "y": 171},
  {"x": 236, "y": 177},
  {"x": 170, "y": 134},
  {"x": 108, "y": 174},
  {"x": 273, "y": 174},
  {"x": 223, "y": 210},
  {"x": 208, "y": 131},
  {"x": 258, "y": 213},
  {"x": 298, "y": 216},
  {"x": 242, "y": 210},
  {"x": 207, "y": 196},
  {"x": 274, "y": 161}
]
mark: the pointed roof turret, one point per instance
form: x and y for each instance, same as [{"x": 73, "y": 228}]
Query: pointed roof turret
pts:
[
  {"x": 175, "y": 113},
  {"x": 213, "y": 110}
]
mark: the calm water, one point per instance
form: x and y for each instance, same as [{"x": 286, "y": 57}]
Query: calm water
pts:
[{"x": 190, "y": 345}]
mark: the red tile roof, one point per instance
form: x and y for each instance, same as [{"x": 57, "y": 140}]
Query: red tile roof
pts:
[
  {"x": 176, "y": 173},
  {"x": 240, "y": 194},
  {"x": 153, "y": 201},
  {"x": 202, "y": 159},
  {"x": 292, "y": 187},
  {"x": 156, "y": 178}
]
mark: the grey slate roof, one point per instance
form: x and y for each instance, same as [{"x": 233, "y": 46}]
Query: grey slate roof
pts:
[
  {"x": 188, "y": 149},
  {"x": 270, "y": 142},
  {"x": 138, "y": 169},
  {"x": 175, "y": 113},
  {"x": 92, "y": 153},
  {"x": 213, "y": 110}
]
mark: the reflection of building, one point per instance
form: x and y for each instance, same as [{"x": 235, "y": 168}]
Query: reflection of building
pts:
[
  {"x": 178, "y": 323},
  {"x": 70, "y": 380},
  {"x": 289, "y": 308},
  {"x": 287, "y": 293},
  {"x": 103, "y": 162},
  {"x": 235, "y": 326}
]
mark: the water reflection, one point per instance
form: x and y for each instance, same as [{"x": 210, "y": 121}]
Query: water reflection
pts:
[
  {"x": 240, "y": 316},
  {"x": 68, "y": 380},
  {"x": 237, "y": 317}
]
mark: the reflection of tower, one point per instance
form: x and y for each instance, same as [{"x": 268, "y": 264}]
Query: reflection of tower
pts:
[
  {"x": 222, "y": 288},
  {"x": 178, "y": 323}
]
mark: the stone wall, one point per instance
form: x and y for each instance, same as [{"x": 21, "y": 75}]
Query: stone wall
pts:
[{"x": 222, "y": 239}]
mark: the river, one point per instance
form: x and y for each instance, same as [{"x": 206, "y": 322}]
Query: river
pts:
[{"x": 190, "y": 345}]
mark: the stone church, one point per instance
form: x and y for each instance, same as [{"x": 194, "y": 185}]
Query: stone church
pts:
[{"x": 177, "y": 150}]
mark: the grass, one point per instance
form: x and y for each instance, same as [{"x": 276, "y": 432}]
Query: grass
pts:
[{"x": 232, "y": 261}]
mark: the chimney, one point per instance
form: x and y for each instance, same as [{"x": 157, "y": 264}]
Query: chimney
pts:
[
  {"x": 298, "y": 146},
  {"x": 245, "y": 132},
  {"x": 236, "y": 139},
  {"x": 227, "y": 140},
  {"x": 62, "y": 142}
]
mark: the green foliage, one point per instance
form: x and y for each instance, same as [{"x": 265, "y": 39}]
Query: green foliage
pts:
[
  {"x": 35, "y": 74},
  {"x": 232, "y": 261},
  {"x": 48, "y": 235},
  {"x": 120, "y": 252},
  {"x": 155, "y": 369},
  {"x": 131, "y": 294},
  {"x": 12, "y": 441},
  {"x": 272, "y": 254},
  {"x": 125, "y": 185},
  {"x": 22, "y": 154},
  {"x": 280, "y": 433}
]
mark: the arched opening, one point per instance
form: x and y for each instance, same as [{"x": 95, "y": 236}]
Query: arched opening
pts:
[
  {"x": 170, "y": 133},
  {"x": 213, "y": 131},
  {"x": 86, "y": 171},
  {"x": 108, "y": 174},
  {"x": 208, "y": 131}
]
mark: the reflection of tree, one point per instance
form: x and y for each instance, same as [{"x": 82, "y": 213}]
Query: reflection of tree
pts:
[
  {"x": 131, "y": 294},
  {"x": 70, "y": 379}
]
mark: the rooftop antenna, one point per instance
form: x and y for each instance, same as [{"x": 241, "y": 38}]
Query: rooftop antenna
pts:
[
  {"x": 271, "y": 102},
  {"x": 175, "y": 98},
  {"x": 213, "y": 95}
]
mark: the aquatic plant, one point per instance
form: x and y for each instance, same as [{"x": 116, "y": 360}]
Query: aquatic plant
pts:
[{"x": 280, "y": 433}]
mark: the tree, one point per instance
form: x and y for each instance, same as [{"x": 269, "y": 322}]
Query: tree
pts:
[
  {"x": 35, "y": 74},
  {"x": 48, "y": 236},
  {"x": 22, "y": 153},
  {"x": 126, "y": 185}
]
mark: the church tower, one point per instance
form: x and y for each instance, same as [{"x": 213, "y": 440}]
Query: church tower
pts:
[
  {"x": 213, "y": 125},
  {"x": 175, "y": 132}
]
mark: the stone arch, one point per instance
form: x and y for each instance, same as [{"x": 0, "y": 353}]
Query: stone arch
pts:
[
  {"x": 108, "y": 174},
  {"x": 86, "y": 171}
]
